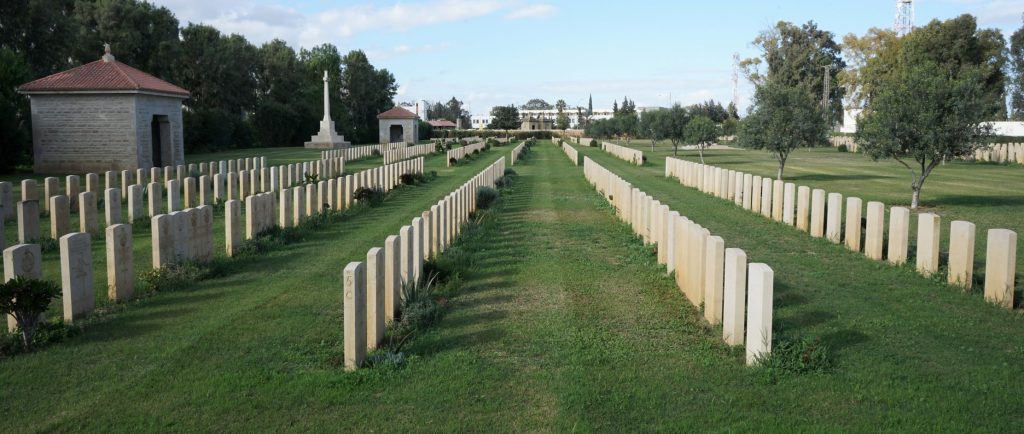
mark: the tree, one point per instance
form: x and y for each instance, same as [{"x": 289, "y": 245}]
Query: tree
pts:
[
  {"x": 537, "y": 104},
  {"x": 783, "y": 118},
  {"x": 1017, "y": 73},
  {"x": 674, "y": 126},
  {"x": 452, "y": 110},
  {"x": 581, "y": 120},
  {"x": 702, "y": 132},
  {"x": 652, "y": 126},
  {"x": 734, "y": 113},
  {"x": 504, "y": 118},
  {"x": 287, "y": 103},
  {"x": 26, "y": 299},
  {"x": 141, "y": 34},
  {"x": 858, "y": 78},
  {"x": 562, "y": 121},
  {"x": 365, "y": 93},
  {"x": 799, "y": 56},
  {"x": 15, "y": 131},
  {"x": 922, "y": 116},
  {"x": 42, "y": 32},
  {"x": 711, "y": 110}
]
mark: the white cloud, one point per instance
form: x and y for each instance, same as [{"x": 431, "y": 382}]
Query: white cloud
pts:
[{"x": 539, "y": 10}]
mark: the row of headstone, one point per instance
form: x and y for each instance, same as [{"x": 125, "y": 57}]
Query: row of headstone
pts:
[
  {"x": 1001, "y": 153},
  {"x": 572, "y": 153},
  {"x": 631, "y": 155},
  {"x": 292, "y": 206},
  {"x": 372, "y": 289},
  {"x": 357, "y": 152},
  {"x": 456, "y": 154},
  {"x": 182, "y": 236},
  {"x": 405, "y": 153},
  {"x": 821, "y": 215},
  {"x": 705, "y": 271},
  {"x": 837, "y": 141},
  {"x": 517, "y": 153},
  {"x": 76, "y": 269}
]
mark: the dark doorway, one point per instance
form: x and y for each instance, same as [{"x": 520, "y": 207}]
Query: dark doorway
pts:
[
  {"x": 161, "y": 140},
  {"x": 397, "y": 134}
]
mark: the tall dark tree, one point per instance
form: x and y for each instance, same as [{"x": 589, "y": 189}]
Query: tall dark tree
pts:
[
  {"x": 453, "y": 110},
  {"x": 316, "y": 61},
  {"x": 140, "y": 34},
  {"x": 1017, "y": 73},
  {"x": 286, "y": 107},
  {"x": 365, "y": 92},
  {"x": 15, "y": 129},
  {"x": 562, "y": 120},
  {"x": 537, "y": 104},
  {"x": 42, "y": 32}
]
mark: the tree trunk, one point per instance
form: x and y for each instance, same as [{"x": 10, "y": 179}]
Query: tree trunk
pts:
[
  {"x": 700, "y": 150},
  {"x": 915, "y": 197}
]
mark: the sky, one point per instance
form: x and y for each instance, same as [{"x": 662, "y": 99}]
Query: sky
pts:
[{"x": 500, "y": 52}]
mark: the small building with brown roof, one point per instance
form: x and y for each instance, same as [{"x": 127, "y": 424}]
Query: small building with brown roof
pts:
[
  {"x": 105, "y": 115},
  {"x": 442, "y": 124},
  {"x": 399, "y": 125}
]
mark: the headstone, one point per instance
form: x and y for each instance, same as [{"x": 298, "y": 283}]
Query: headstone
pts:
[
  {"x": 135, "y": 206},
  {"x": 766, "y": 197},
  {"x": 817, "y": 213},
  {"x": 112, "y": 206},
  {"x": 405, "y": 237},
  {"x": 285, "y": 211},
  {"x": 961, "y": 253},
  {"x": 29, "y": 190},
  {"x": 88, "y": 221},
  {"x": 778, "y": 191},
  {"x": 714, "y": 279},
  {"x": 375, "y": 309},
  {"x": 803, "y": 208},
  {"x": 392, "y": 277},
  {"x": 748, "y": 190},
  {"x": 417, "y": 249},
  {"x": 298, "y": 205},
  {"x": 1000, "y": 266},
  {"x": 873, "y": 231},
  {"x": 205, "y": 191},
  {"x": 28, "y": 221},
  {"x": 427, "y": 242},
  {"x": 162, "y": 231},
  {"x": 232, "y": 226},
  {"x": 51, "y": 188},
  {"x": 25, "y": 260},
  {"x": 180, "y": 230},
  {"x": 853, "y": 220},
  {"x": 6, "y": 200},
  {"x": 760, "y": 289},
  {"x": 354, "y": 315},
  {"x": 899, "y": 228},
  {"x": 191, "y": 193},
  {"x": 173, "y": 196},
  {"x": 735, "y": 296},
  {"x": 72, "y": 187},
  {"x": 218, "y": 188},
  {"x": 232, "y": 184},
  {"x": 110, "y": 179},
  {"x": 834, "y": 218},
  {"x": 60, "y": 216},
  {"x": 126, "y": 181},
  {"x": 928, "y": 237},
  {"x": 789, "y": 203},
  {"x": 120, "y": 262},
  {"x": 156, "y": 199},
  {"x": 77, "y": 294},
  {"x": 92, "y": 183}
]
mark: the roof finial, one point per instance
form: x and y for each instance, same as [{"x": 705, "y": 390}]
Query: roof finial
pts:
[{"x": 107, "y": 57}]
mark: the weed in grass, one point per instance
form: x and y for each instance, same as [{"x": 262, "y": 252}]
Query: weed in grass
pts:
[
  {"x": 46, "y": 334},
  {"x": 485, "y": 197},
  {"x": 796, "y": 356},
  {"x": 47, "y": 245}
]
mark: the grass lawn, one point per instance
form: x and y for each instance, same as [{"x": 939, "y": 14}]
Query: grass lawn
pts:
[
  {"x": 987, "y": 194},
  {"x": 564, "y": 323}
]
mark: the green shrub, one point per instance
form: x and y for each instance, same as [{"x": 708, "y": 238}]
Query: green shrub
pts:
[
  {"x": 485, "y": 197},
  {"x": 375, "y": 153},
  {"x": 171, "y": 277},
  {"x": 795, "y": 357},
  {"x": 26, "y": 299},
  {"x": 453, "y": 161},
  {"x": 593, "y": 143},
  {"x": 842, "y": 148},
  {"x": 371, "y": 196}
]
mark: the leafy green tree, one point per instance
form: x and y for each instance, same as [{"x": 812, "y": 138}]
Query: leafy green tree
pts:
[
  {"x": 141, "y": 34},
  {"x": 316, "y": 60},
  {"x": 562, "y": 121},
  {"x": 1017, "y": 73},
  {"x": 783, "y": 118},
  {"x": 581, "y": 120},
  {"x": 537, "y": 104},
  {"x": 365, "y": 93},
  {"x": 702, "y": 132},
  {"x": 674, "y": 126},
  {"x": 452, "y": 110},
  {"x": 15, "y": 118},
  {"x": 26, "y": 300},
  {"x": 798, "y": 56},
  {"x": 733, "y": 112},
  {"x": 652, "y": 126},
  {"x": 287, "y": 105},
  {"x": 711, "y": 110},
  {"x": 42, "y": 32},
  {"x": 505, "y": 118},
  {"x": 922, "y": 116}
]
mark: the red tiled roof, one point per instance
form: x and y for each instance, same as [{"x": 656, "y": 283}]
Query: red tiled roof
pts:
[
  {"x": 443, "y": 123},
  {"x": 397, "y": 113},
  {"x": 100, "y": 76}
]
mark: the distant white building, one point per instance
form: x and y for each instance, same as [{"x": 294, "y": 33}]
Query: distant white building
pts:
[
  {"x": 1001, "y": 128},
  {"x": 480, "y": 121}
]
